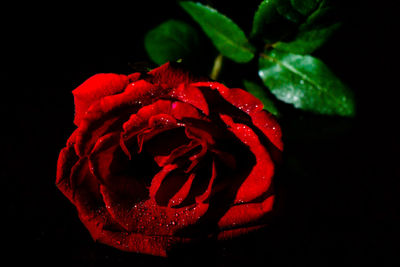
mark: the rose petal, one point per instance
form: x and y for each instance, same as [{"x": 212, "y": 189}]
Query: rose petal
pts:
[
  {"x": 267, "y": 123},
  {"x": 205, "y": 196},
  {"x": 157, "y": 180},
  {"x": 75, "y": 181},
  {"x": 98, "y": 222},
  {"x": 182, "y": 111},
  {"x": 177, "y": 152},
  {"x": 81, "y": 188},
  {"x": 140, "y": 120},
  {"x": 85, "y": 140},
  {"x": 66, "y": 160},
  {"x": 182, "y": 193},
  {"x": 237, "y": 97},
  {"x": 157, "y": 124},
  {"x": 134, "y": 77},
  {"x": 101, "y": 115},
  {"x": 203, "y": 138},
  {"x": 121, "y": 198},
  {"x": 147, "y": 217},
  {"x": 191, "y": 95},
  {"x": 95, "y": 88},
  {"x": 244, "y": 214},
  {"x": 229, "y": 234},
  {"x": 102, "y": 155},
  {"x": 259, "y": 179}
]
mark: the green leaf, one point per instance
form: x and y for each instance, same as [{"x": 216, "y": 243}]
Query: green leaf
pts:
[
  {"x": 269, "y": 25},
  {"x": 227, "y": 37},
  {"x": 171, "y": 41},
  {"x": 308, "y": 41},
  {"x": 259, "y": 92},
  {"x": 306, "y": 82},
  {"x": 314, "y": 32},
  {"x": 296, "y": 26},
  {"x": 286, "y": 10},
  {"x": 322, "y": 15},
  {"x": 305, "y": 7},
  {"x": 265, "y": 14}
]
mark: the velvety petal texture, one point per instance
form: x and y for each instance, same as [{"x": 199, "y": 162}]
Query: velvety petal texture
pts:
[{"x": 165, "y": 157}]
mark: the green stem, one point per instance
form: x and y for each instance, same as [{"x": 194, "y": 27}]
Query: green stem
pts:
[{"x": 217, "y": 67}]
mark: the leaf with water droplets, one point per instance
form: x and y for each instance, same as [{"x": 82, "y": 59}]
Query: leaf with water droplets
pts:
[{"x": 306, "y": 82}]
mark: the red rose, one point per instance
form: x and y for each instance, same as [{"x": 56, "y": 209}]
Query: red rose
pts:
[{"x": 164, "y": 158}]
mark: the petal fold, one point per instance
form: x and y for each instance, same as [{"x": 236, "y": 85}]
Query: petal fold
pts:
[
  {"x": 95, "y": 88},
  {"x": 259, "y": 179}
]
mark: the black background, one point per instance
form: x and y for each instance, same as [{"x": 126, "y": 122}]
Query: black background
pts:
[{"x": 337, "y": 190}]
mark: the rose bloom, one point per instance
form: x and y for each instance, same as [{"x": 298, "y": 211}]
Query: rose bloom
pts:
[{"x": 165, "y": 158}]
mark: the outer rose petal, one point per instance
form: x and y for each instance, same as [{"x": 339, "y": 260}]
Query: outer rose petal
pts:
[
  {"x": 229, "y": 234},
  {"x": 66, "y": 161},
  {"x": 79, "y": 185},
  {"x": 267, "y": 123},
  {"x": 252, "y": 106},
  {"x": 259, "y": 180},
  {"x": 243, "y": 214},
  {"x": 98, "y": 221},
  {"x": 95, "y": 88},
  {"x": 237, "y": 97}
]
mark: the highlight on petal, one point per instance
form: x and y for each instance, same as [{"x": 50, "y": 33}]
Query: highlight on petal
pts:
[
  {"x": 95, "y": 88},
  {"x": 191, "y": 95}
]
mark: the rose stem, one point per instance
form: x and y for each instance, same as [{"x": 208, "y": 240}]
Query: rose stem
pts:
[{"x": 217, "y": 67}]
